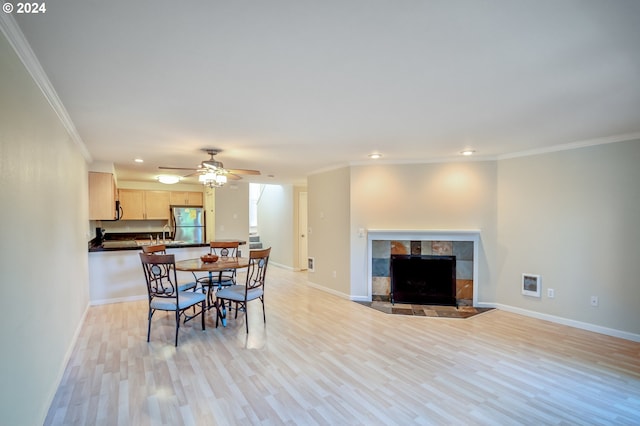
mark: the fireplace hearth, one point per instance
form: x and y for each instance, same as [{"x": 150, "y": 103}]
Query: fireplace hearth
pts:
[{"x": 423, "y": 279}]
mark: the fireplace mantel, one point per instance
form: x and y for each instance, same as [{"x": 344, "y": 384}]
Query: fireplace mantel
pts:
[
  {"x": 414, "y": 234},
  {"x": 472, "y": 235}
]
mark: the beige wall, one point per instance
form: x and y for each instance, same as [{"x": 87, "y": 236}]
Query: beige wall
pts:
[
  {"x": 44, "y": 217},
  {"x": 421, "y": 197},
  {"x": 572, "y": 216},
  {"x": 329, "y": 230}
]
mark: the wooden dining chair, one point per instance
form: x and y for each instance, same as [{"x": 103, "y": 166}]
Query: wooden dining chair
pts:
[
  {"x": 252, "y": 289},
  {"x": 162, "y": 249},
  {"x": 163, "y": 290}
]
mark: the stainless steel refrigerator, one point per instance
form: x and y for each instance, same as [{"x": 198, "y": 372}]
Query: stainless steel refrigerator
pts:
[{"x": 188, "y": 224}]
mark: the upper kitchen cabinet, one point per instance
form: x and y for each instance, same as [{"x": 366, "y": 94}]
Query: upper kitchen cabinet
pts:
[
  {"x": 140, "y": 205},
  {"x": 186, "y": 198},
  {"x": 102, "y": 196},
  {"x": 156, "y": 204},
  {"x": 131, "y": 203}
]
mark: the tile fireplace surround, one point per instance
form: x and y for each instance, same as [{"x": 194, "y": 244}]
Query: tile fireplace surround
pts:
[{"x": 463, "y": 244}]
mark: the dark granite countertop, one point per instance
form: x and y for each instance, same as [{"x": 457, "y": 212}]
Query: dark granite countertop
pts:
[
  {"x": 132, "y": 245},
  {"x": 131, "y": 241}
]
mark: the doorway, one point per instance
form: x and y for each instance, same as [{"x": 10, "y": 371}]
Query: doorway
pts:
[{"x": 303, "y": 254}]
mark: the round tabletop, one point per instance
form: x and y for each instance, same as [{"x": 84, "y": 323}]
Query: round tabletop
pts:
[{"x": 219, "y": 265}]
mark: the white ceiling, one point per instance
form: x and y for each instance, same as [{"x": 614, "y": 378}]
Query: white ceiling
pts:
[{"x": 292, "y": 87}]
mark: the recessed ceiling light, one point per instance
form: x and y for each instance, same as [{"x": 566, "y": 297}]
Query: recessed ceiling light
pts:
[
  {"x": 375, "y": 156},
  {"x": 168, "y": 179},
  {"x": 138, "y": 160},
  {"x": 468, "y": 152}
]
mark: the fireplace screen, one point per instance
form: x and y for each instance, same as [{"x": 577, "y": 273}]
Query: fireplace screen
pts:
[{"x": 423, "y": 279}]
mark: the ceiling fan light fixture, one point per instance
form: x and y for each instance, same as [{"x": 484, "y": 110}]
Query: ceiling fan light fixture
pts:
[
  {"x": 168, "y": 179},
  {"x": 213, "y": 179},
  {"x": 207, "y": 176}
]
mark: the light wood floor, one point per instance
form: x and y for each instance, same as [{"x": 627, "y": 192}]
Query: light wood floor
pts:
[{"x": 324, "y": 360}]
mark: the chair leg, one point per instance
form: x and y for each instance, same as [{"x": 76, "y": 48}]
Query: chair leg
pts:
[
  {"x": 246, "y": 317},
  {"x": 218, "y": 313},
  {"x": 264, "y": 315},
  {"x": 177, "y": 325},
  {"x": 149, "y": 326},
  {"x": 202, "y": 314}
]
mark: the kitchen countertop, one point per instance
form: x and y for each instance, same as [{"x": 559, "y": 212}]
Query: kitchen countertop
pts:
[
  {"x": 135, "y": 240},
  {"x": 119, "y": 245}
]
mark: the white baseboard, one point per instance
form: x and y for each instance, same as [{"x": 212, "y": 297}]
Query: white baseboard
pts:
[
  {"x": 289, "y": 268},
  {"x": 118, "y": 300},
  {"x": 329, "y": 290},
  {"x": 564, "y": 321}
]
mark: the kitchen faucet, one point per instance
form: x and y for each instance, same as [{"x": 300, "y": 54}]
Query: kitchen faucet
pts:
[{"x": 166, "y": 225}]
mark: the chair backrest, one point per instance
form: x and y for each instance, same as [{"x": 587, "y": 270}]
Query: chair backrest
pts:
[
  {"x": 160, "y": 274},
  {"x": 224, "y": 248},
  {"x": 257, "y": 269},
  {"x": 157, "y": 249}
]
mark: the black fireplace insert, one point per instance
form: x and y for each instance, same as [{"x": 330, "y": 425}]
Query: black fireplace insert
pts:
[{"x": 423, "y": 279}]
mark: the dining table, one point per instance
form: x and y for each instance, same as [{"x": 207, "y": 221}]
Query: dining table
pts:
[{"x": 220, "y": 265}]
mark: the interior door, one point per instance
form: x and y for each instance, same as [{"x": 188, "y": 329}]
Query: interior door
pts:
[{"x": 303, "y": 229}]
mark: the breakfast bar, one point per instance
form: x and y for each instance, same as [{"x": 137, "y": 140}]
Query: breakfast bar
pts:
[{"x": 115, "y": 273}]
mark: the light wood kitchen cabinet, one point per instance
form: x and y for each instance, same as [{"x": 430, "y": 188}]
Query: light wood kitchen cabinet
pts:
[
  {"x": 102, "y": 196},
  {"x": 186, "y": 198},
  {"x": 132, "y": 204},
  {"x": 156, "y": 204},
  {"x": 144, "y": 205}
]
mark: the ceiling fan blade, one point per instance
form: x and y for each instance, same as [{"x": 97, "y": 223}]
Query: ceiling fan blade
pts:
[
  {"x": 243, "y": 171},
  {"x": 231, "y": 176},
  {"x": 178, "y": 168}
]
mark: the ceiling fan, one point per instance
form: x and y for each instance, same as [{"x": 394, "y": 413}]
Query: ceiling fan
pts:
[{"x": 214, "y": 166}]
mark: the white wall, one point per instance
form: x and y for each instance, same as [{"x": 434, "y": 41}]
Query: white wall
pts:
[
  {"x": 276, "y": 223},
  {"x": 232, "y": 213},
  {"x": 572, "y": 216},
  {"x": 44, "y": 219}
]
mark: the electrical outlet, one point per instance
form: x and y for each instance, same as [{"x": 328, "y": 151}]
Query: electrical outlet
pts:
[
  {"x": 334, "y": 274},
  {"x": 594, "y": 300},
  {"x": 551, "y": 293}
]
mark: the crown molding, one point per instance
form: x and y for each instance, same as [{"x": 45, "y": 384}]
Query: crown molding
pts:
[
  {"x": 20, "y": 45},
  {"x": 572, "y": 145}
]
